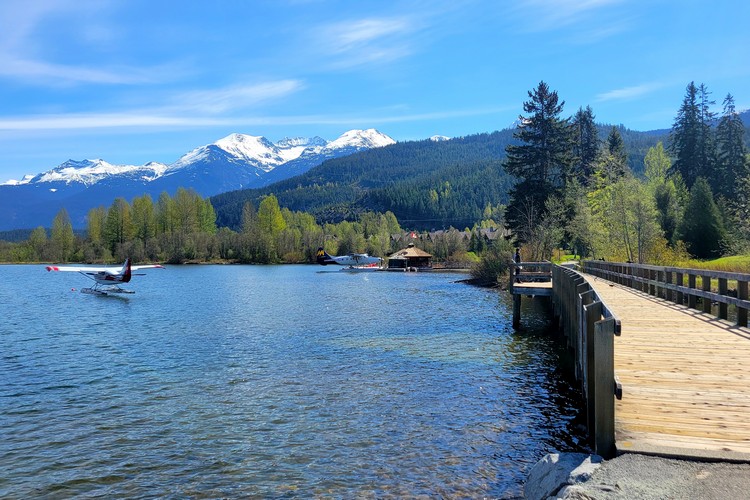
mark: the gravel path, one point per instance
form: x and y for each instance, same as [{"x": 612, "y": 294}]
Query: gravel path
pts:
[{"x": 645, "y": 477}]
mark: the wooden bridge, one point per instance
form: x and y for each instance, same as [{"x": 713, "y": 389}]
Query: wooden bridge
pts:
[{"x": 662, "y": 354}]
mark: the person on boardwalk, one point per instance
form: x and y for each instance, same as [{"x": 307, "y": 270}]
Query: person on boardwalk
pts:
[{"x": 517, "y": 260}]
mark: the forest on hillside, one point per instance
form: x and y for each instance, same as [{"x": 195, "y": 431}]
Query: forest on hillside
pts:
[{"x": 410, "y": 180}]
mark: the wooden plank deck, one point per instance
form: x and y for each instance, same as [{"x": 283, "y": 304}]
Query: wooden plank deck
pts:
[
  {"x": 685, "y": 378},
  {"x": 543, "y": 288}
]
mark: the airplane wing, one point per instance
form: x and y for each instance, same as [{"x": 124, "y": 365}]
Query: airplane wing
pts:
[
  {"x": 147, "y": 266},
  {"x": 93, "y": 269},
  {"x": 82, "y": 269}
]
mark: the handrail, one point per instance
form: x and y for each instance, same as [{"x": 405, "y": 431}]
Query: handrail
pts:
[
  {"x": 669, "y": 283},
  {"x": 589, "y": 326}
]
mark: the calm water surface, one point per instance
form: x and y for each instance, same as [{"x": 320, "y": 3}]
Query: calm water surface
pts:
[{"x": 273, "y": 382}]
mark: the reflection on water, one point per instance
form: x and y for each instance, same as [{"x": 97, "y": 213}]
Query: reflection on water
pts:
[{"x": 236, "y": 381}]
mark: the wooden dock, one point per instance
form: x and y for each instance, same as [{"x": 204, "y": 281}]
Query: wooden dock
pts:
[
  {"x": 533, "y": 279},
  {"x": 685, "y": 377}
]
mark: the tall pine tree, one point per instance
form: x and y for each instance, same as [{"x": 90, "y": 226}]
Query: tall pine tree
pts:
[
  {"x": 731, "y": 151},
  {"x": 542, "y": 161},
  {"x": 691, "y": 139},
  {"x": 585, "y": 145}
]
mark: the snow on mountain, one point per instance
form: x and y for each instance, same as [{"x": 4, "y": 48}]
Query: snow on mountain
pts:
[
  {"x": 293, "y": 142},
  {"x": 256, "y": 151},
  {"x": 12, "y": 182},
  {"x": 90, "y": 172},
  {"x": 439, "y": 138},
  {"x": 364, "y": 139}
]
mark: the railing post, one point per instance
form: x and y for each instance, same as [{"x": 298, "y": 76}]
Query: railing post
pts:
[
  {"x": 742, "y": 295},
  {"x": 723, "y": 309},
  {"x": 680, "y": 282},
  {"x": 668, "y": 280},
  {"x": 706, "y": 282},
  {"x": 692, "y": 299},
  {"x": 604, "y": 374},
  {"x": 630, "y": 276},
  {"x": 651, "y": 285}
]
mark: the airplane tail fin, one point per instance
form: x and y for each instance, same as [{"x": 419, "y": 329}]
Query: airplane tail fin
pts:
[
  {"x": 323, "y": 257},
  {"x": 126, "y": 271}
]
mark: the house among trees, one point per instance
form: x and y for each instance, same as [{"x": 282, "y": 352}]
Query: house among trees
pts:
[{"x": 410, "y": 258}]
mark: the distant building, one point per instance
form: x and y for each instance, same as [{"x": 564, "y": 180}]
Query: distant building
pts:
[
  {"x": 492, "y": 234},
  {"x": 410, "y": 258}
]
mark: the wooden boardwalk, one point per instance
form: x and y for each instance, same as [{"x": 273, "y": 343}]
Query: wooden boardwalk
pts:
[{"x": 685, "y": 378}]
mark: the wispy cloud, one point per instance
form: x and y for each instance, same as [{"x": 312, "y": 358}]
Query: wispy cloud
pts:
[
  {"x": 172, "y": 120},
  {"x": 188, "y": 109},
  {"x": 542, "y": 15},
  {"x": 628, "y": 93},
  {"x": 581, "y": 22},
  {"x": 59, "y": 74},
  {"x": 237, "y": 97},
  {"x": 366, "y": 41}
]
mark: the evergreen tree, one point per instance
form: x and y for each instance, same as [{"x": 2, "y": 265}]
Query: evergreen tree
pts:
[
  {"x": 732, "y": 153},
  {"x": 543, "y": 160},
  {"x": 586, "y": 145},
  {"x": 691, "y": 141},
  {"x": 616, "y": 148},
  {"x": 702, "y": 227}
]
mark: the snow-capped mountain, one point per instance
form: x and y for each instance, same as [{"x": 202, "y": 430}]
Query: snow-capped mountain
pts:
[
  {"x": 237, "y": 161},
  {"x": 89, "y": 172}
]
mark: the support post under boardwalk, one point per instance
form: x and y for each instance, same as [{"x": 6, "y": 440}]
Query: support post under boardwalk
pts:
[
  {"x": 516, "y": 310},
  {"x": 604, "y": 373}
]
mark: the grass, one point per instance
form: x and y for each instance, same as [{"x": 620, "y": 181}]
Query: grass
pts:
[{"x": 734, "y": 264}]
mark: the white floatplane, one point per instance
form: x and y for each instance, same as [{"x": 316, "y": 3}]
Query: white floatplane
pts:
[
  {"x": 353, "y": 262},
  {"x": 107, "y": 280}
]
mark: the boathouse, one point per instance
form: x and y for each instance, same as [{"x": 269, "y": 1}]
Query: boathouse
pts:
[{"x": 410, "y": 258}]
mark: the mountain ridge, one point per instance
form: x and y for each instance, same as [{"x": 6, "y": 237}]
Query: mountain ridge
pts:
[{"x": 233, "y": 162}]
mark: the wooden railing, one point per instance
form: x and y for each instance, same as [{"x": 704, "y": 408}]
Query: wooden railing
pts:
[
  {"x": 530, "y": 271},
  {"x": 589, "y": 327},
  {"x": 683, "y": 286}
]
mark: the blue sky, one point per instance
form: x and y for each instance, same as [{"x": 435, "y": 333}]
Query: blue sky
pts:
[{"x": 131, "y": 81}]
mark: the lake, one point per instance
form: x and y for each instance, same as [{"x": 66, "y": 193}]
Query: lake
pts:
[{"x": 274, "y": 382}]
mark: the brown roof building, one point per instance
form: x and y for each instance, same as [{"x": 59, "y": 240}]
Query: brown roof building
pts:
[{"x": 410, "y": 258}]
